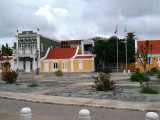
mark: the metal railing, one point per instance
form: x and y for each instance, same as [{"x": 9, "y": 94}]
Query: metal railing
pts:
[{"x": 19, "y": 51}]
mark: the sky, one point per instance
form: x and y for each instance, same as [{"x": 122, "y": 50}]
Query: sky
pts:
[{"x": 79, "y": 19}]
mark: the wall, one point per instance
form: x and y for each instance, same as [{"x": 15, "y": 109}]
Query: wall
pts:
[
  {"x": 130, "y": 66},
  {"x": 154, "y": 64},
  {"x": 47, "y": 43},
  {"x": 87, "y": 66}
]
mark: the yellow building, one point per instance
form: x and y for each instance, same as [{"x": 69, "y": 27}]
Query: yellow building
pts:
[
  {"x": 153, "y": 56},
  {"x": 66, "y": 60}
]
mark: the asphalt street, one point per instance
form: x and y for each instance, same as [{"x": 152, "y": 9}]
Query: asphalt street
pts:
[{"x": 10, "y": 110}]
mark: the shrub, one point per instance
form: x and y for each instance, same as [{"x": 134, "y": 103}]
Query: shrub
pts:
[
  {"x": 146, "y": 90},
  {"x": 103, "y": 82},
  {"x": 158, "y": 76},
  {"x": 137, "y": 76},
  {"x": 106, "y": 70},
  {"x": 153, "y": 71},
  {"x": 59, "y": 73},
  {"x": 33, "y": 85},
  {"x": 9, "y": 77}
]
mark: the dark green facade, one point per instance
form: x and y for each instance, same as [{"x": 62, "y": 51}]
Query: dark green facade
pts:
[{"x": 47, "y": 43}]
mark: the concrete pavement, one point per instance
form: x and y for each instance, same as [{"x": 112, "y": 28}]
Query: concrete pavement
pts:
[
  {"x": 112, "y": 104},
  {"x": 38, "y": 96}
]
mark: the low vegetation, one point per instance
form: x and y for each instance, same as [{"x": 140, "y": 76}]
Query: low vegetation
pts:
[
  {"x": 33, "y": 85},
  {"x": 10, "y": 76},
  {"x": 58, "y": 73},
  {"x": 146, "y": 90},
  {"x": 103, "y": 82},
  {"x": 137, "y": 76},
  {"x": 106, "y": 70}
]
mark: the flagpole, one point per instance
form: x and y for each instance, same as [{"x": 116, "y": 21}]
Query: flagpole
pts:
[
  {"x": 117, "y": 48},
  {"x": 125, "y": 31}
]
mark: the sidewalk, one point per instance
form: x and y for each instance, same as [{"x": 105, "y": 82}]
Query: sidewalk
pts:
[
  {"x": 111, "y": 104},
  {"x": 57, "y": 90}
]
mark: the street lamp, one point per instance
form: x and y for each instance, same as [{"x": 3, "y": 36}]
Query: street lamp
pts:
[{"x": 37, "y": 53}]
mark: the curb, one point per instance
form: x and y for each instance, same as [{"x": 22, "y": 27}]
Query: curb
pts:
[{"x": 98, "y": 103}]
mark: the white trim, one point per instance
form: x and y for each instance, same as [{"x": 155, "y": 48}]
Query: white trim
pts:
[
  {"x": 83, "y": 59},
  {"x": 65, "y": 59},
  {"x": 49, "y": 38},
  {"x": 82, "y": 47},
  {"x": 72, "y": 65},
  {"x": 76, "y": 52},
  {"x": 153, "y": 55},
  {"x": 136, "y": 46},
  {"x": 46, "y": 53}
]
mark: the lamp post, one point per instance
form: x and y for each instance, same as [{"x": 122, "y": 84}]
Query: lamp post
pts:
[
  {"x": 104, "y": 52},
  {"x": 37, "y": 53}
]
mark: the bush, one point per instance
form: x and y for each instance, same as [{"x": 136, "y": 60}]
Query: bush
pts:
[
  {"x": 106, "y": 70},
  {"x": 58, "y": 73},
  {"x": 33, "y": 85},
  {"x": 9, "y": 77},
  {"x": 139, "y": 77},
  {"x": 103, "y": 82},
  {"x": 158, "y": 76},
  {"x": 153, "y": 71},
  {"x": 146, "y": 90}
]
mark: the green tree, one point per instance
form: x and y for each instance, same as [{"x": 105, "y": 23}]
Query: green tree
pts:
[
  {"x": 6, "y": 51},
  {"x": 131, "y": 37},
  {"x": 142, "y": 55},
  {"x": 107, "y": 49}
]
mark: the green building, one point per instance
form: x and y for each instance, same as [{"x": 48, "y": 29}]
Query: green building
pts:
[{"x": 29, "y": 48}]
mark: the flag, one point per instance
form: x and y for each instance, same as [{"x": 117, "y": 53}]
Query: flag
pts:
[
  {"x": 116, "y": 29},
  {"x": 125, "y": 29}
]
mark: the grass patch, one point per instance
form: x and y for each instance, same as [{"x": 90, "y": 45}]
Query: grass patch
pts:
[
  {"x": 33, "y": 85},
  {"x": 146, "y": 90}
]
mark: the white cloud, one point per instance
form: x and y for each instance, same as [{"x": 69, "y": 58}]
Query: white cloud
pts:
[
  {"x": 60, "y": 11},
  {"x": 78, "y": 19},
  {"x": 45, "y": 11}
]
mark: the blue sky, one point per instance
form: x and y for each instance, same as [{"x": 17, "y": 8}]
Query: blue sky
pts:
[{"x": 79, "y": 19}]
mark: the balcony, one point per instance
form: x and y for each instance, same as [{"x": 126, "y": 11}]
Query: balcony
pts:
[
  {"x": 87, "y": 52},
  {"x": 24, "y": 52}
]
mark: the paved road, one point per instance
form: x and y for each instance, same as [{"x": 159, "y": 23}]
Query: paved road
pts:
[{"x": 9, "y": 110}]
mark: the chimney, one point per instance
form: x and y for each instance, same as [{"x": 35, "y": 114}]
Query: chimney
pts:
[
  {"x": 38, "y": 31},
  {"x": 17, "y": 33}
]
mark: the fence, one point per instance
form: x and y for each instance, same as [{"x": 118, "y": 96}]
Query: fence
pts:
[{"x": 84, "y": 114}]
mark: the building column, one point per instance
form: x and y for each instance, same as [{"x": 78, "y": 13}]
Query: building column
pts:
[
  {"x": 34, "y": 65},
  {"x": 71, "y": 65},
  {"x": 82, "y": 46},
  {"x": 17, "y": 63}
]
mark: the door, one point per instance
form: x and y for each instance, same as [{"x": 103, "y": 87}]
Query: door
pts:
[
  {"x": 46, "y": 67},
  {"x": 28, "y": 66}
]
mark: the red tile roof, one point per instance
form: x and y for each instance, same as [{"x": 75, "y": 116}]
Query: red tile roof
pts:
[
  {"x": 5, "y": 59},
  {"x": 61, "y": 53},
  {"x": 155, "y": 45},
  {"x": 79, "y": 57}
]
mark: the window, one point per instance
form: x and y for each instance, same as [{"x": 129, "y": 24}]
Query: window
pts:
[
  {"x": 29, "y": 46},
  {"x": 149, "y": 60},
  {"x": 80, "y": 65},
  {"x": 158, "y": 59},
  {"x": 26, "y": 47},
  {"x": 42, "y": 47},
  {"x": 64, "y": 65},
  {"x": 55, "y": 65}
]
